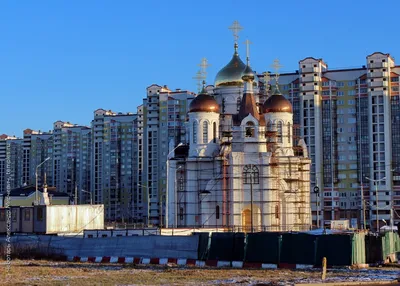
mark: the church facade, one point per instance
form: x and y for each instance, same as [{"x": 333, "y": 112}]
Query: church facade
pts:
[{"x": 243, "y": 170}]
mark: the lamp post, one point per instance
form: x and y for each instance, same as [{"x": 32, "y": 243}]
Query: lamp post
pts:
[
  {"x": 167, "y": 188},
  {"x": 91, "y": 202},
  {"x": 175, "y": 199},
  {"x": 377, "y": 201},
  {"x": 36, "y": 180},
  {"x": 148, "y": 203}
]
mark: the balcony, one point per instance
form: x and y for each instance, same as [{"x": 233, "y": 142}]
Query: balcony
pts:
[
  {"x": 378, "y": 83},
  {"x": 378, "y": 74},
  {"x": 310, "y": 88},
  {"x": 310, "y": 69},
  {"x": 378, "y": 65},
  {"x": 309, "y": 79}
]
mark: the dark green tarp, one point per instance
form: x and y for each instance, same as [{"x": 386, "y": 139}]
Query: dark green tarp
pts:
[
  {"x": 298, "y": 248},
  {"x": 337, "y": 248},
  {"x": 263, "y": 247},
  {"x": 204, "y": 238},
  {"x": 227, "y": 246},
  {"x": 373, "y": 249}
]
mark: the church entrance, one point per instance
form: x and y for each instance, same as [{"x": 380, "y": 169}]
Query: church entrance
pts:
[{"x": 246, "y": 220}]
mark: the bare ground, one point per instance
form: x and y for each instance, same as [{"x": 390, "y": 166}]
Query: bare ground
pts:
[{"x": 40, "y": 272}]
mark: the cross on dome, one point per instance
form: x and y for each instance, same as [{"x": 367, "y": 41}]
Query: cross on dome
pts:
[
  {"x": 235, "y": 28},
  {"x": 203, "y": 66},
  {"x": 248, "y": 43},
  {"x": 200, "y": 77},
  {"x": 276, "y": 66}
]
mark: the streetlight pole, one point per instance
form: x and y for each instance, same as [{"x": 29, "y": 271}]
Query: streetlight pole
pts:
[
  {"x": 167, "y": 188},
  {"x": 36, "y": 181},
  {"x": 90, "y": 194},
  {"x": 376, "y": 199}
]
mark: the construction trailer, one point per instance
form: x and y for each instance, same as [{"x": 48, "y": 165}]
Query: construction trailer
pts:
[{"x": 53, "y": 219}]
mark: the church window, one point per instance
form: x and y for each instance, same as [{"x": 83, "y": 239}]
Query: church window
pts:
[
  {"x": 279, "y": 130},
  {"x": 289, "y": 131},
  {"x": 217, "y": 212},
  {"x": 195, "y": 132},
  {"x": 250, "y": 174},
  {"x": 205, "y": 132},
  {"x": 215, "y": 132},
  {"x": 249, "y": 129}
]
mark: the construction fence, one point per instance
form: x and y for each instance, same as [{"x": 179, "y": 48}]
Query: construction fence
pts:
[{"x": 301, "y": 248}]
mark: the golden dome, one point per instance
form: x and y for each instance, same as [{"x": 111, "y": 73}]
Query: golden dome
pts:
[
  {"x": 248, "y": 74},
  {"x": 277, "y": 103},
  {"x": 204, "y": 103},
  {"x": 231, "y": 74}
]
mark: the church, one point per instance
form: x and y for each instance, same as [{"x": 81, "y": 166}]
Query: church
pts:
[{"x": 243, "y": 170}]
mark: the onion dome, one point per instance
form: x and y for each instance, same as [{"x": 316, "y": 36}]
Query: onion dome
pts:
[
  {"x": 248, "y": 74},
  {"x": 231, "y": 74},
  {"x": 277, "y": 103},
  {"x": 204, "y": 102}
]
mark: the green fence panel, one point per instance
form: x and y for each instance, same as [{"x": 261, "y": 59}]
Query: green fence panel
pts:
[
  {"x": 358, "y": 249},
  {"x": 390, "y": 244}
]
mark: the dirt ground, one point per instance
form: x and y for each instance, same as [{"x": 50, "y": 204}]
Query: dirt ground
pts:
[{"x": 34, "y": 272}]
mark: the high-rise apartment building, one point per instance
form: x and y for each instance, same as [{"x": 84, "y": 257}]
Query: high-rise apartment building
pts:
[
  {"x": 113, "y": 160},
  {"x": 37, "y": 147},
  {"x": 350, "y": 120},
  {"x": 161, "y": 123},
  {"x": 10, "y": 162},
  {"x": 72, "y": 160}
]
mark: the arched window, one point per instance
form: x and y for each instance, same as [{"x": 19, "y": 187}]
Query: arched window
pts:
[
  {"x": 250, "y": 174},
  {"x": 279, "y": 131},
  {"x": 195, "y": 132},
  {"x": 217, "y": 212},
  {"x": 205, "y": 132},
  {"x": 249, "y": 129},
  {"x": 277, "y": 211},
  {"x": 215, "y": 132},
  {"x": 289, "y": 131}
]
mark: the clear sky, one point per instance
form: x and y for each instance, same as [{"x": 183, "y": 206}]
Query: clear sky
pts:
[{"x": 61, "y": 60}]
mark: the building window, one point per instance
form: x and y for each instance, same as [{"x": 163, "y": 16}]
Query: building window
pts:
[
  {"x": 195, "y": 132},
  {"x": 215, "y": 132},
  {"x": 279, "y": 131},
  {"x": 289, "y": 131},
  {"x": 217, "y": 212},
  {"x": 205, "y": 132},
  {"x": 249, "y": 129},
  {"x": 251, "y": 174}
]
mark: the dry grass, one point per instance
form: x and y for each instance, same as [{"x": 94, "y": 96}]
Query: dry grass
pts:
[{"x": 68, "y": 273}]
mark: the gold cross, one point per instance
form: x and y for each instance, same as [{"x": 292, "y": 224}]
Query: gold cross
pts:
[
  {"x": 276, "y": 66},
  {"x": 267, "y": 77},
  {"x": 204, "y": 65},
  {"x": 199, "y": 78},
  {"x": 235, "y": 28},
  {"x": 247, "y": 43}
]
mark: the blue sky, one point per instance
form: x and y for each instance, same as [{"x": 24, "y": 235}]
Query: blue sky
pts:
[{"x": 61, "y": 60}]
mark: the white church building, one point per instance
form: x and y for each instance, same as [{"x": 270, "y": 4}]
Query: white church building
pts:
[{"x": 241, "y": 170}]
